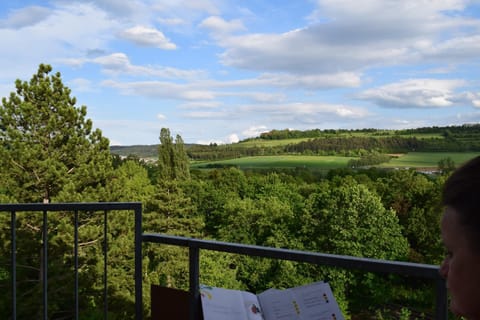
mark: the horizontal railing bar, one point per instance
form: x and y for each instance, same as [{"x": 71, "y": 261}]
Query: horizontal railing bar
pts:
[
  {"x": 72, "y": 206},
  {"x": 347, "y": 262}
]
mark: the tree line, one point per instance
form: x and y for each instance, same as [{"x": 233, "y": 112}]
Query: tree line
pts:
[
  {"x": 447, "y": 139},
  {"x": 51, "y": 153}
]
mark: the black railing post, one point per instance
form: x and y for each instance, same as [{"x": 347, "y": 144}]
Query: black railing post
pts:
[
  {"x": 138, "y": 265},
  {"x": 13, "y": 224},
  {"x": 441, "y": 303},
  {"x": 194, "y": 272},
  {"x": 105, "y": 265},
  {"x": 45, "y": 266},
  {"x": 75, "y": 257}
]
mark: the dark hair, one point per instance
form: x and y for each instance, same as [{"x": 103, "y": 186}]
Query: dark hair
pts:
[{"x": 461, "y": 192}]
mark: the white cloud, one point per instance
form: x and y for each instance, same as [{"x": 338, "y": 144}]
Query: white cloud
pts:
[
  {"x": 201, "y": 90},
  {"x": 81, "y": 85},
  {"x": 355, "y": 36},
  {"x": 149, "y": 37},
  {"x": 265, "y": 97},
  {"x": 456, "y": 49},
  {"x": 219, "y": 27},
  {"x": 203, "y": 6},
  {"x": 254, "y": 131},
  {"x": 118, "y": 63},
  {"x": 171, "y": 21},
  {"x": 221, "y": 114},
  {"x": 316, "y": 81},
  {"x": 290, "y": 70},
  {"x": 419, "y": 93},
  {"x": 201, "y": 105},
  {"x": 158, "y": 89},
  {"x": 67, "y": 31},
  {"x": 305, "y": 112},
  {"x": 25, "y": 17},
  {"x": 233, "y": 138}
]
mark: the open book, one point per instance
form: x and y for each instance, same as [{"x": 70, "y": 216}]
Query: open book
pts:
[{"x": 310, "y": 302}]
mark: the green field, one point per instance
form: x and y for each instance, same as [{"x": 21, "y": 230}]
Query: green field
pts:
[
  {"x": 283, "y": 161},
  {"x": 409, "y": 160},
  {"x": 429, "y": 159}
]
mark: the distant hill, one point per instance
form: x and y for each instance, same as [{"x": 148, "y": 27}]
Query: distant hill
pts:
[
  {"x": 149, "y": 151},
  {"x": 141, "y": 151},
  {"x": 462, "y": 138}
]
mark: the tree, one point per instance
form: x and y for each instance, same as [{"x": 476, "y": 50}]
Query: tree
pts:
[
  {"x": 172, "y": 157},
  {"x": 46, "y": 143},
  {"x": 415, "y": 198},
  {"x": 171, "y": 211},
  {"x": 344, "y": 217},
  {"x": 446, "y": 165},
  {"x": 49, "y": 152}
]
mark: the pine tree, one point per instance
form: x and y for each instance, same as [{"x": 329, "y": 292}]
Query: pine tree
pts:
[
  {"x": 50, "y": 152},
  {"x": 46, "y": 144}
]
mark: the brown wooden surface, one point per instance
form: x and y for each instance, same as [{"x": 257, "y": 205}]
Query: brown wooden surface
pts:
[{"x": 169, "y": 303}]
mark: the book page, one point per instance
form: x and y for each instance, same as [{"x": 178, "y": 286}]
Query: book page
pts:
[
  {"x": 310, "y": 302},
  {"x": 221, "y": 304}
]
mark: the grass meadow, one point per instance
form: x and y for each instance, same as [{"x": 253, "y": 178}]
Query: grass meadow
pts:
[
  {"x": 428, "y": 159},
  {"x": 282, "y": 161},
  {"x": 408, "y": 160}
]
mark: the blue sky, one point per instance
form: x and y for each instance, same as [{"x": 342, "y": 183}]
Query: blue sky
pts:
[{"x": 224, "y": 70}]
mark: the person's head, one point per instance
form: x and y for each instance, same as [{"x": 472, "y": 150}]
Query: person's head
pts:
[{"x": 461, "y": 237}]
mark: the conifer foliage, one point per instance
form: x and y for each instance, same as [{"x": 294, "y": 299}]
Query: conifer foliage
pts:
[
  {"x": 49, "y": 152},
  {"x": 47, "y": 144}
]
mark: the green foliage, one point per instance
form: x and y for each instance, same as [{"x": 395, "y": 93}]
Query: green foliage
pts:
[
  {"x": 46, "y": 142},
  {"x": 50, "y": 152},
  {"x": 446, "y": 165},
  {"x": 346, "y": 218},
  {"x": 415, "y": 200},
  {"x": 351, "y": 220},
  {"x": 220, "y": 270},
  {"x": 370, "y": 159},
  {"x": 172, "y": 157},
  {"x": 130, "y": 182}
]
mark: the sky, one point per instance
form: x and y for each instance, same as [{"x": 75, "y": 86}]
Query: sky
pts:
[{"x": 221, "y": 71}]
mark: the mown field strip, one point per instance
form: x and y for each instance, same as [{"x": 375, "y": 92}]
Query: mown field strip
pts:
[{"x": 410, "y": 160}]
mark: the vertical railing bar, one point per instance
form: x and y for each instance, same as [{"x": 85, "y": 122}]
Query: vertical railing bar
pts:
[
  {"x": 45, "y": 266},
  {"x": 105, "y": 266},
  {"x": 75, "y": 257},
  {"x": 194, "y": 271},
  {"x": 13, "y": 224},
  {"x": 441, "y": 303},
  {"x": 138, "y": 264}
]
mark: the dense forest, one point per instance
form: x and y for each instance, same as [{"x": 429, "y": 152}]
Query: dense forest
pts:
[{"x": 50, "y": 153}]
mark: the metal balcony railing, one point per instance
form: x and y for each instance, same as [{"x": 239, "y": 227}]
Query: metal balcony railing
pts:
[
  {"x": 194, "y": 245},
  {"x": 348, "y": 262},
  {"x": 74, "y": 209}
]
